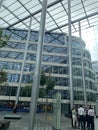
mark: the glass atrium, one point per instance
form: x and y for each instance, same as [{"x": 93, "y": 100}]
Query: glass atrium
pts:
[{"x": 61, "y": 40}]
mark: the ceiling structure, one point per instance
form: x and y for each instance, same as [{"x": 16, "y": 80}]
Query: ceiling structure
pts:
[{"x": 17, "y": 13}]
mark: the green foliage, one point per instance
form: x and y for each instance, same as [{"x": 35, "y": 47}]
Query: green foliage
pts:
[
  {"x": 0, "y": 32},
  {"x": 26, "y": 91},
  {"x": 43, "y": 79},
  {"x": 3, "y": 76},
  {"x": 27, "y": 87},
  {"x": 3, "y": 39},
  {"x": 3, "y": 43},
  {"x": 46, "y": 85},
  {"x": 50, "y": 85},
  {"x": 42, "y": 92}
]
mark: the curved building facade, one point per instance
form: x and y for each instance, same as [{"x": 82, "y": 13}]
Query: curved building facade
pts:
[{"x": 55, "y": 63}]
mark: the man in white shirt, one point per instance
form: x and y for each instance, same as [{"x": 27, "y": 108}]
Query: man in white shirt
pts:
[
  {"x": 81, "y": 115},
  {"x": 80, "y": 110},
  {"x": 91, "y": 115}
]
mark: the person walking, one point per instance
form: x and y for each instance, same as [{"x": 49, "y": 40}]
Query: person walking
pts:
[{"x": 91, "y": 115}]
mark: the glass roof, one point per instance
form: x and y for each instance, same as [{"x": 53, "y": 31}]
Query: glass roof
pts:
[{"x": 17, "y": 13}]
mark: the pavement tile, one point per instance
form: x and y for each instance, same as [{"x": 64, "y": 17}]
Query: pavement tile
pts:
[{"x": 43, "y": 122}]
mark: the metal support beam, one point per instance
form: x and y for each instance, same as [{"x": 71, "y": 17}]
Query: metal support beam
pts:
[
  {"x": 36, "y": 80},
  {"x": 85, "y": 11},
  {"x": 80, "y": 34},
  {"x": 1, "y": 2},
  {"x": 11, "y": 12},
  {"x": 51, "y": 17},
  {"x": 70, "y": 54},
  {"x": 67, "y": 15},
  {"x": 32, "y": 14},
  {"x": 75, "y": 21},
  {"x": 83, "y": 70},
  {"x": 23, "y": 63}
]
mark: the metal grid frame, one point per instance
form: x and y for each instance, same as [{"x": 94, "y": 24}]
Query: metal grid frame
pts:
[{"x": 17, "y": 13}]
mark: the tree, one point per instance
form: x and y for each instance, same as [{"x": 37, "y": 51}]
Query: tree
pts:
[
  {"x": 3, "y": 76},
  {"x": 46, "y": 85},
  {"x": 50, "y": 85},
  {"x": 3, "y": 43},
  {"x": 43, "y": 79},
  {"x": 3, "y": 39},
  {"x": 26, "y": 91},
  {"x": 42, "y": 92}
]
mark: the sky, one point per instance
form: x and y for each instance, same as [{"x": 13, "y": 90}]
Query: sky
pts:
[{"x": 90, "y": 36}]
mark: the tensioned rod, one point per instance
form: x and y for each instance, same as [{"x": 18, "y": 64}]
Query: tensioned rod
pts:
[{"x": 23, "y": 63}]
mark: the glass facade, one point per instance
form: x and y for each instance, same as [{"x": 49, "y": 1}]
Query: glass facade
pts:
[
  {"x": 55, "y": 62},
  {"x": 95, "y": 69}
]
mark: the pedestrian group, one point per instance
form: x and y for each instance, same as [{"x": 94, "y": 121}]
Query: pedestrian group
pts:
[{"x": 83, "y": 118}]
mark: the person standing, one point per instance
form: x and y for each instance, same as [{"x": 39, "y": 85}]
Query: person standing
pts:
[
  {"x": 74, "y": 117},
  {"x": 78, "y": 118},
  {"x": 81, "y": 114},
  {"x": 87, "y": 118},
  {"x": 91, "y": 115}
]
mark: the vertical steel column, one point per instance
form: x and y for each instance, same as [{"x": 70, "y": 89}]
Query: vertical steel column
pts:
[
  {"x": 70, "y": 55},
  {"x": 82, "y": 61},
  {"x": 36, "y": 81},
  {"x": 80, "y": 35},
  {"x": 22, "y": 69}
]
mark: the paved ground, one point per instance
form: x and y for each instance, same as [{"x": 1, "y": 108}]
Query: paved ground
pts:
[{"x": 42, "y": 123}]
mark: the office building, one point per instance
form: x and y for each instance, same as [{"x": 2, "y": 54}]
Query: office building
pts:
[{"x": 55, "y": 63}]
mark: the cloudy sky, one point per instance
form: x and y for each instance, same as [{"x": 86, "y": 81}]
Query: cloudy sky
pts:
[{"x": 90, "y": 36}]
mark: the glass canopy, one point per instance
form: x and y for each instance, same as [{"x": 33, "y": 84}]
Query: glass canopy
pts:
[{"x": 17, "y": 13}]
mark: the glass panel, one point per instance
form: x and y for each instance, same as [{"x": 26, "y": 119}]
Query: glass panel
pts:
[
  {"x": 4, "y": 13},
  {"x": 21, "y": 13},
  {"x": 12, "y": 20},
  {"x": 14, "y": 6},
  {"x": 35, "y": 8},
  {"x": 2, "y": 22},
  {"x": 10, "y": 2},
  {"x": 8, "y": 17},
  {"x": 20, "y": 25},
  {"x": 78, "y": 83},
  {"x": 75, "y": 3},
  {"x": 28, "y": 1},
  {"x": 79, "y": 95}
]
